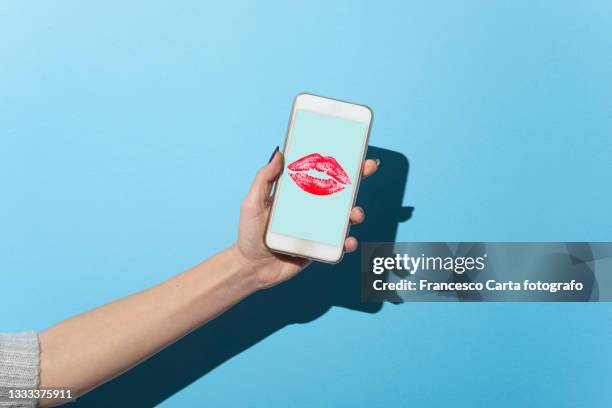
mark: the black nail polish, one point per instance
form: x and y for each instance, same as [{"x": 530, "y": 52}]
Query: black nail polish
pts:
[{"x": 273, "y": 153}]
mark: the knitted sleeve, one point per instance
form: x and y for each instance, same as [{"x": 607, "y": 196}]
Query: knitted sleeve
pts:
[{"x": 19, "y": 367}]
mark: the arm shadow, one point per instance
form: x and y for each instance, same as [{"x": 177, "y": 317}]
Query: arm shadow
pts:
[{"x": 305, "y": 298}]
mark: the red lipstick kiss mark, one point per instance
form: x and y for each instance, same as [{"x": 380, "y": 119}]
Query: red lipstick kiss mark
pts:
[{"x": 316, "y": 185}]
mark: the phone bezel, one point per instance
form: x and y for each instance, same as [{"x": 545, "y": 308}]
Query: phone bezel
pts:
[{"x": 302, "y": 247}]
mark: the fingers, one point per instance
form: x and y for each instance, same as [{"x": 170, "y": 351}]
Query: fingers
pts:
[
  {"x": 370, "y": 166},
  {"x": 357, "y": 215},
  {"x": 350, "y": 244},
  {"x": 265, "y": 178}
]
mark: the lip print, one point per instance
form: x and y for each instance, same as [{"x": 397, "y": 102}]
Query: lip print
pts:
[{"x": 315, "y": 185}]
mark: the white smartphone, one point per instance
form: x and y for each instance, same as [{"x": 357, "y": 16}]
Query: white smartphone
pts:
[{"x": 324, "y": 152}]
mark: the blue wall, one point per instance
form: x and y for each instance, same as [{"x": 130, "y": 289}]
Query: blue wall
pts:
[{"x": 115, "y": 119}]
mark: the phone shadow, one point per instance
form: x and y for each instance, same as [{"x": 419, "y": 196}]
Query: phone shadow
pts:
[{"x": 305, "y": 298}]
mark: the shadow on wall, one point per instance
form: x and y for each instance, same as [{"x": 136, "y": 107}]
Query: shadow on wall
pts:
[{"x": 300, "y": 300}]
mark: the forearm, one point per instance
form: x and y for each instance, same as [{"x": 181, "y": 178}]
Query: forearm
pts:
[{"x": 87, "y": 350}]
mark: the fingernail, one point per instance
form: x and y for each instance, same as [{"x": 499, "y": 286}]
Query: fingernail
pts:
[
  {"x": 377, "y": 162},
  {"x": 362, "y": 213},
  {"x": 273, "y": 153}
]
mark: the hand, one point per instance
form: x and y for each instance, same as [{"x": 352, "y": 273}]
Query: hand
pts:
[{"x": 273, "y": 268}]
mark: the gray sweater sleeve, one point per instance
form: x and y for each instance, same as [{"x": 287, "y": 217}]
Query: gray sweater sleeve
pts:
[{"x": 19, "y": 366}]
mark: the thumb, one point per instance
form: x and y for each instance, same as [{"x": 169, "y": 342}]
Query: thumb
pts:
[{"x": 265, "y": 178}]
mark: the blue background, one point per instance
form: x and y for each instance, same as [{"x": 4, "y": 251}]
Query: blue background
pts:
[
  {"x": 319, "y": 218},
  {"x": 115, "y": 119}
]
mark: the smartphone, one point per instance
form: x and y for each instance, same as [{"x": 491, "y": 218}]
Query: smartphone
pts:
[{"x": 324, "y": 152}]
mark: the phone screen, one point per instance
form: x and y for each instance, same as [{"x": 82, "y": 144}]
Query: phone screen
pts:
[{"x": 322, "y": 166}]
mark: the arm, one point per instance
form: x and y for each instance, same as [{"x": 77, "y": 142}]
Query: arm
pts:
[
  {"x": 92, "y": 348},
  {"x": 87, "y": 350}
]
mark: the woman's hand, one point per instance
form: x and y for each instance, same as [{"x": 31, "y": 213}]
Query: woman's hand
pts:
[
  {"x": 89, "y": 349},
  {"x": 273, "y": 268}
]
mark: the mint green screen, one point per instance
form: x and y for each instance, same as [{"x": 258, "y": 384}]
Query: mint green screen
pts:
[{"x": 319, "y": 218}]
